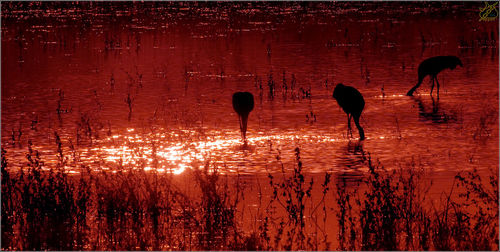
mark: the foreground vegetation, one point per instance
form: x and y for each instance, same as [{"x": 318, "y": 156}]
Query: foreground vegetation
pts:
[{"x": 47, "y": 208}]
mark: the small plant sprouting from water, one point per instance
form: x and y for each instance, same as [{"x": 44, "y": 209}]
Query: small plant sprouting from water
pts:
[
  {"x": 311, "y": 117},
  {"x": 271, "y": 85},
  {"x": 130, "y": 104},
  {"x": 398, "y": 129},
  {"x": 112, "y": 82},
  {"x": 284, "y": 86},
  {"x": 293, "y": 85},
  {"x": 59, "y": 109}
]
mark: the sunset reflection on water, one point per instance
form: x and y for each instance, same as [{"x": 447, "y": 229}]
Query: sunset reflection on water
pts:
[{"x": 155, "y": 152}]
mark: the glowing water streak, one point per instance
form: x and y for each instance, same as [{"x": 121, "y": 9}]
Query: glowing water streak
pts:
[{"x": 176, "y": 157}]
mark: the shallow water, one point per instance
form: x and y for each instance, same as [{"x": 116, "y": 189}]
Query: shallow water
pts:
[
  {"x": 149, "y": 86},
  {"x": 75, "y": 72}
]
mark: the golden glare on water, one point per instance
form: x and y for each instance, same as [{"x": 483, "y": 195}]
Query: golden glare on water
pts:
[{"x": 158, "y": 151}]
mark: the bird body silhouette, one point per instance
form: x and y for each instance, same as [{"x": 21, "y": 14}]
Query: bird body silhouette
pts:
[
  {"x": 243, "y": 104},
  {"x": 352, "y": 102},
  {"x": 432, "y": 67}
]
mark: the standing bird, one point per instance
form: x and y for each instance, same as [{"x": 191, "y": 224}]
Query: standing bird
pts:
[
  {"x": 433, "y": 66},
  {"x": 243, "y": 105},
  {"x": 352, "y": 102}
]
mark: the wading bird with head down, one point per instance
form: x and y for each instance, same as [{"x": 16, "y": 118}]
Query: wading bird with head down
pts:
[
  {"x": 432, "y": 67},
  {"x": 243, "y": 105},
  {"x": 352, "y": 102}
]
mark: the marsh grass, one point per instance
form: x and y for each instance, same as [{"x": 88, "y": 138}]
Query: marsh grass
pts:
[
  {"x": 292, "y": 193},
  {"x": 394, "y": 212},
  {"x": 45, "y": 207}
]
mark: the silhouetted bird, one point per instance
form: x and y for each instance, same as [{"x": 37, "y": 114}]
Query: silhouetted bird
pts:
[
  {"x": 432, "y": 67},
  {"x": 352, "y": 102},
  {"x": 243, "y": 105}
]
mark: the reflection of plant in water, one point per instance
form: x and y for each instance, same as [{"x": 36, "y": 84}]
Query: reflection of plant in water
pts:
[{"x": 488, "y": 117}]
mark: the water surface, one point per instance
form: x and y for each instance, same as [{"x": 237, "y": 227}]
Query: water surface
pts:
[{"x": 151, "y": 87}]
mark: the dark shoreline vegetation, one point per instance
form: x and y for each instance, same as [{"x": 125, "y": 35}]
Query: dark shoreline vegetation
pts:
[{"x": 46, "y": 208}]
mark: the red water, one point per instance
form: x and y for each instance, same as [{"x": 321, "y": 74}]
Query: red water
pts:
[
  {"x": 180, "y": 69},
  {"x": 76, "y": 71}
]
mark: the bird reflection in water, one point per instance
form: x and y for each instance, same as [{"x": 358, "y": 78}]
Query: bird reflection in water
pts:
[
  {"x": 352, "y": 157},
  {"x": 436, "y": 114}
]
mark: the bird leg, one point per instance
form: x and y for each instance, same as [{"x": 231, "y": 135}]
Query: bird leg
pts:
[
  {"x": 435, "y": 106},
  {"x": 437, "y": 82},
  {"x": 349, "y": 116},
  {"x": 243, "y": 126},
  {"x": 360, "y": 129},
  {"x": 349, "y": 130},
  {"x": 432, "y": 87}
]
